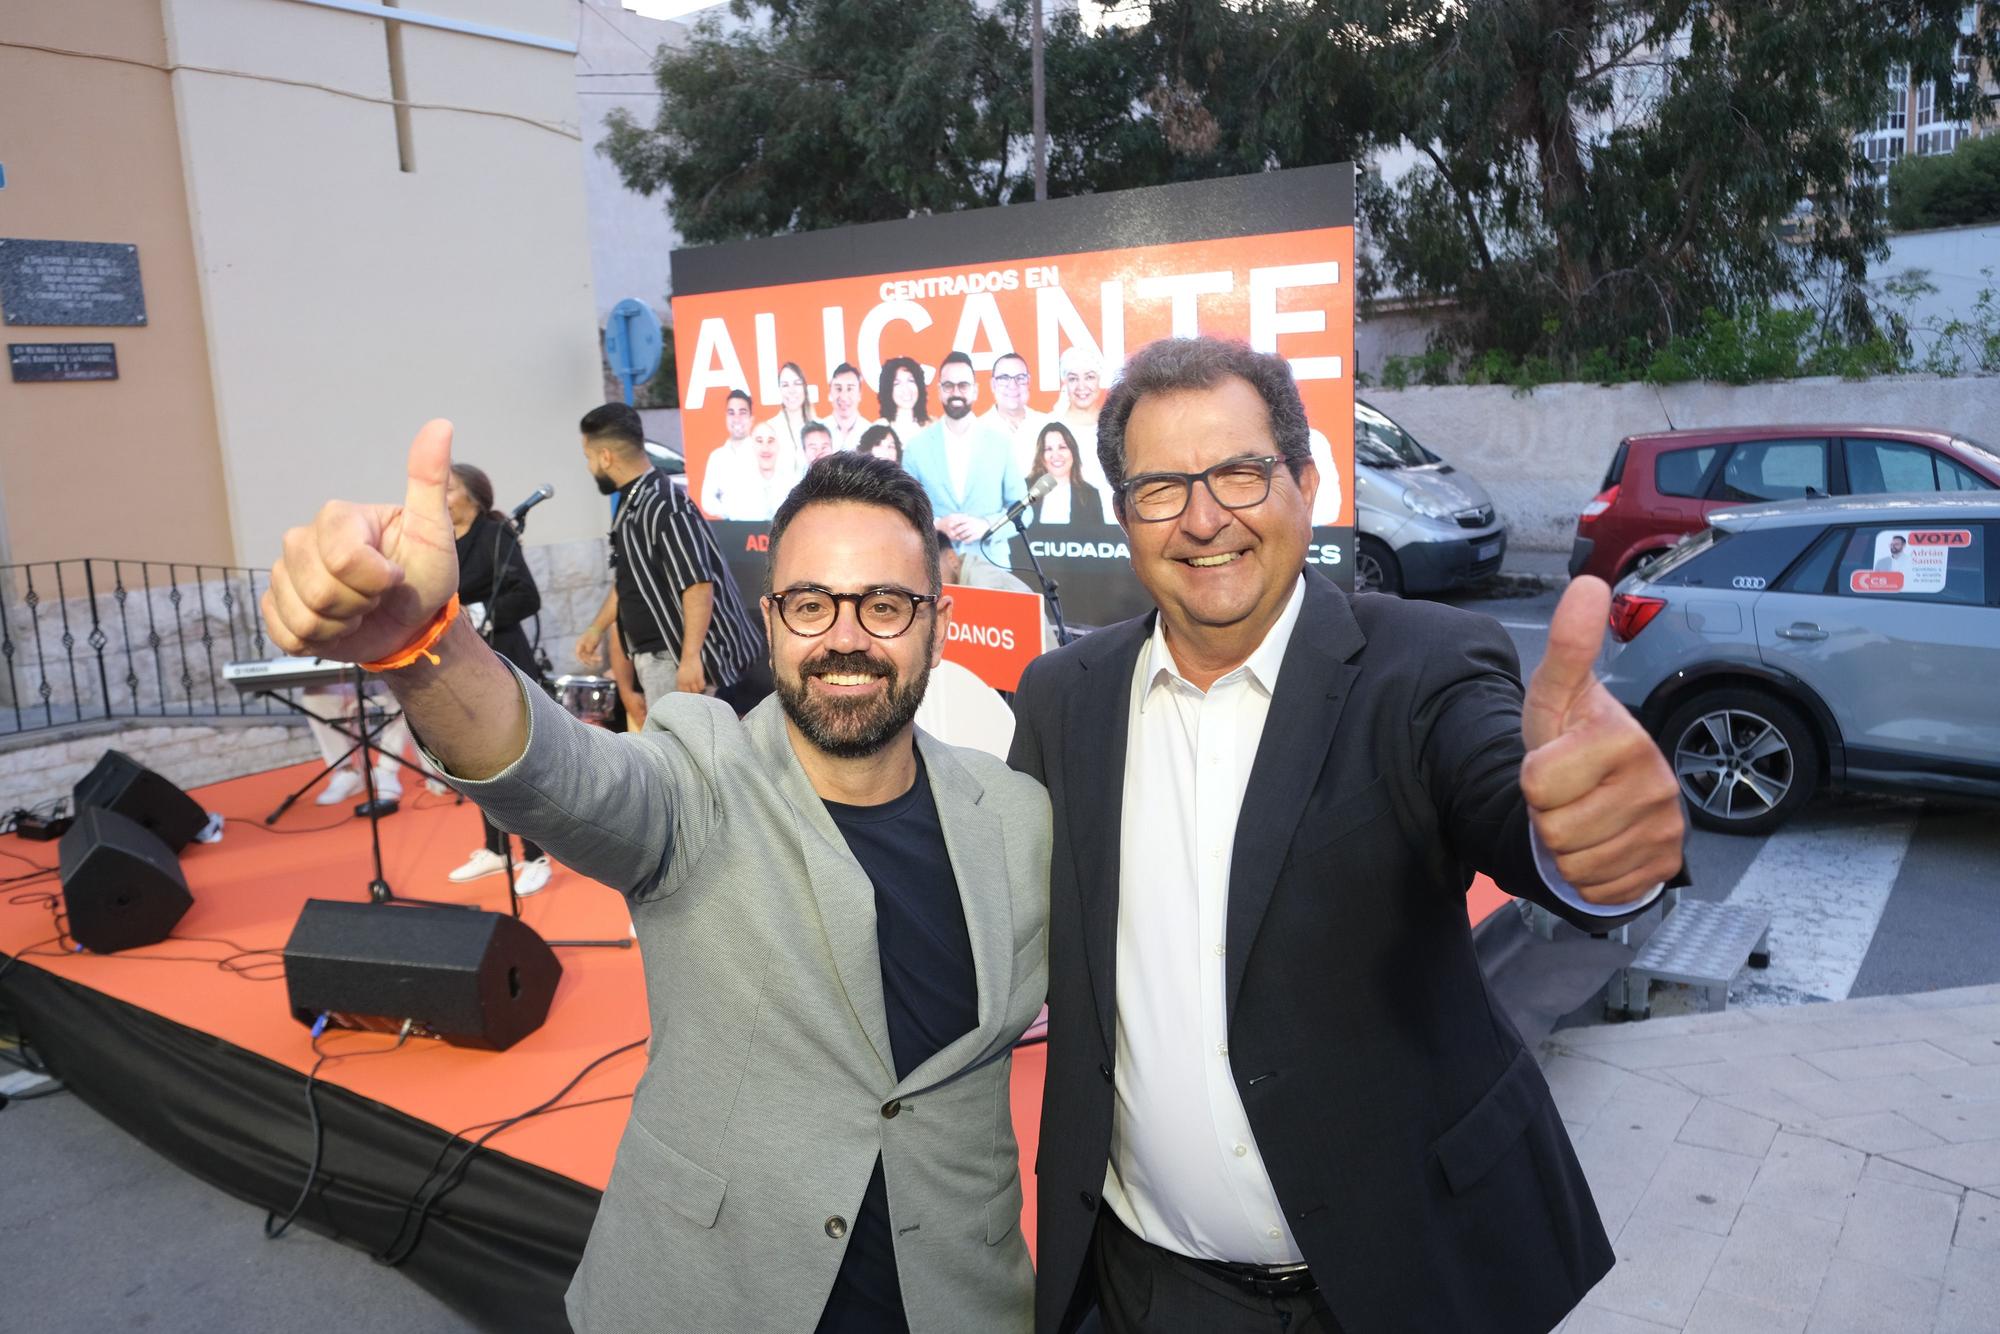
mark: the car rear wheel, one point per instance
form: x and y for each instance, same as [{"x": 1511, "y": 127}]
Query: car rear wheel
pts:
[
  {"x": 1375, "y": 568},
  {"x": 1746, "y": 760}
]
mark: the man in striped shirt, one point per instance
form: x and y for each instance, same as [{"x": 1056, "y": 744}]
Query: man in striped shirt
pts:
[{"x": 677, "y": 606}]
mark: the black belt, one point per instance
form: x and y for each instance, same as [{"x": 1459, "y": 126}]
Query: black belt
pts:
[{"x": 1260, "y": 1280}]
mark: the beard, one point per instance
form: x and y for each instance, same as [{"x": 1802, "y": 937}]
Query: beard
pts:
[
  {"x": 957, "y": 408},
  {"x": 853, "y": 728},
  {"x": 605, "y": 486}
]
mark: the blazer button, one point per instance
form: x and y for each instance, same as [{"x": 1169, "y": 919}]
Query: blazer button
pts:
[
  {"x": 836, "y": 1227},
  {"x": 1105, "y": 1070},
  {"x": 1089, "y": 1200},
  {"x": 890, "y": 1109}
]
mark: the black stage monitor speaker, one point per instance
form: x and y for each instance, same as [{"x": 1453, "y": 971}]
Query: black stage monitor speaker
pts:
[
  {"x": 475, "y": 979},
  {"x": 122, "y": 784},
  {"x": 122, "y": 886}
]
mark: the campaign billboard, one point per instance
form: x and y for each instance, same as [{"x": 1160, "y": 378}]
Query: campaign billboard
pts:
[{"x": 797, "y": 345}]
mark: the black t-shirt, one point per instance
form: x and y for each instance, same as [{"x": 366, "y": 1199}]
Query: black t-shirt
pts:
[{"x": 931, "y": 993}]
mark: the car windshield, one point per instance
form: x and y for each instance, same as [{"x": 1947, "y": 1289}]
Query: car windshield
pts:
[
  {"x": 1380, "y": 443},
  {"x": 1684, "y": 551}
]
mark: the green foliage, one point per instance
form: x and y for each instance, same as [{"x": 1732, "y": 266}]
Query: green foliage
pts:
[
  {"x": 832, "y": 112},
  {"x": 1600, "y": 171},
  {"x": 1953, "y": 190}
]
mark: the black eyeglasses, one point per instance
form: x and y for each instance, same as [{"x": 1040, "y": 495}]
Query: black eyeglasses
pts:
[
  {"x": 883, "y": 612},
  {"x": 1236, "y": 484}
]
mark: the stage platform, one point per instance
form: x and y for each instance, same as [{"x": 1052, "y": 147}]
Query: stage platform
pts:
[{"x": 188, "y": 1045}]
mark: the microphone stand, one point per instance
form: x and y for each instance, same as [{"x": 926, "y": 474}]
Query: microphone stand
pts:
[{"x": 1049, "y": 586}]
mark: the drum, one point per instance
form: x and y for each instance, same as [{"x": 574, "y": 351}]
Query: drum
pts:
[{"x": 592, "y": 698}]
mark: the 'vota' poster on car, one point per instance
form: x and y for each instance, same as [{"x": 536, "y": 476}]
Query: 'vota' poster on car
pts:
[{"x": 842, "y": 339}]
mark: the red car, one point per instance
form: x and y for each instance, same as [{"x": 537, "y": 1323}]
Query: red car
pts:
[{"x": 1661, "y": 486}]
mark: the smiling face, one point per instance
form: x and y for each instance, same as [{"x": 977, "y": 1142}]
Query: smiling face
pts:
[
  {"x": 817, "y": 444},
  {"x": 904, "y": 391},
  {"x": 791, "y": 389},
  {"x": 1081, "y": 386},
  {"x": 1220, "y": 577},
  {"x": 1057, "y": 458},
  {"x": 957, "y": 390},
  {"x": 847, "y": 692},
  {"x": 845, "y": 391},
  {"x": 764, "y": 444},
  {"x": 1010, "y": 384},
  {"x": 736, "y": 415}
]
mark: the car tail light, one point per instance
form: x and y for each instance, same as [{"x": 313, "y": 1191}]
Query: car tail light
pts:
[
  {"x": 1631, "y": 613},
  {"x": 1604, "y": 501}
]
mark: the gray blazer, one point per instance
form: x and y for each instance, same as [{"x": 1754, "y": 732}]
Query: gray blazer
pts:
[{"x": 771, "y": 1088}]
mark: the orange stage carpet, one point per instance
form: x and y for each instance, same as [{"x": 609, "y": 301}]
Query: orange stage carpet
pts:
[{"x": 248, "y": 890}]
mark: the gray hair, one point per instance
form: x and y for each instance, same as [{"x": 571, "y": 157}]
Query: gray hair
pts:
[{"x": 1174, "y": 364}]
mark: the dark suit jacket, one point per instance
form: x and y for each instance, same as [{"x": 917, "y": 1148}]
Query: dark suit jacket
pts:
[
  {"x": 1085, "y": 504},
  {"x": 1410, "y": 1137}
]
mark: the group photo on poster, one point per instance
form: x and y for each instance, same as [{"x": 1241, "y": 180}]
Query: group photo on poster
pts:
[{"x": 983, "y": 373}]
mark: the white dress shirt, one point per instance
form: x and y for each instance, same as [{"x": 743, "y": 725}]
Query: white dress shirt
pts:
[
  {"x": 1055, "y": 505},
  {"x": 1185, "y": 1171},
  {"x": 850, "y": 438}
]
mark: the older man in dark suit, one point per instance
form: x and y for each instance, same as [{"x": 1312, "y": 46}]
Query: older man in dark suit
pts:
[{"x": 1279, "y": 1095}]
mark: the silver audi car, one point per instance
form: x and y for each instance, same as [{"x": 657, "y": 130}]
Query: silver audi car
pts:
[{"x": 1851, "y": 641}]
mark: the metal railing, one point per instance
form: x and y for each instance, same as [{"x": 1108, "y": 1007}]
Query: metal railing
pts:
[{"x": 87, "y": 640}]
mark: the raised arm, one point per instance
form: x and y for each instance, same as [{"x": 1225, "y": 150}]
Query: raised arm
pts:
[{"x": 361, "y": 583}]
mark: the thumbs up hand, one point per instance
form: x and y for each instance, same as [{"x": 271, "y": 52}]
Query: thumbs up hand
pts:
[
  {"x": 362, "y": 581},
  {"x": 1600, "y": 793}
]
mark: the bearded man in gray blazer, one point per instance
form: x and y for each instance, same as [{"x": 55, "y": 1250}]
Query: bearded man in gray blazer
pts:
[{"x": 843, "y": 919}]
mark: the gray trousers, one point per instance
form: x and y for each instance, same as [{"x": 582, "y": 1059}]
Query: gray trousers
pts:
[{"x": 656, "y": 673}]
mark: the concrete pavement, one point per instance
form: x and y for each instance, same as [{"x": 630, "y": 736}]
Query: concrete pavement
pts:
[{"x": 1798, "y": 1169}]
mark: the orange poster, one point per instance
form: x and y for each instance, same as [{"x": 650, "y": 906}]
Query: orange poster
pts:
[{"x": 791, "y": 347}]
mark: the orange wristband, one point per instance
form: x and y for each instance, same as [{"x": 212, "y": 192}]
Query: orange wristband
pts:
[{"x": 420, "y": 647}]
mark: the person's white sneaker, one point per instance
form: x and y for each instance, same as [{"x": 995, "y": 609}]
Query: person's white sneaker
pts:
[
  {"x": 530, "y": 877},
  {"x": 388, "y": 784},
  {"x": 481, "y": 863},
  {"x": 341, "y": 787}
]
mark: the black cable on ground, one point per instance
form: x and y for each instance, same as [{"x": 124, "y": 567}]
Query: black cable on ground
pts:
[
  {"x": 418, "y": 1209},
  {"x": 275, "y": 1227}
]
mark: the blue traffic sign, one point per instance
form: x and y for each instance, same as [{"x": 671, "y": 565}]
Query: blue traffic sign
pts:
[{"x": 632, "y": 343}]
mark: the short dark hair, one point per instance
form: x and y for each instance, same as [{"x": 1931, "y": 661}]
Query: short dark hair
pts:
[
  {"x": 477, "y": 485},
  {"x": 735, "y": 394},
  {"x": 810, "y": 427},
  {"x": 851, "y": 477},
  {"x": 615, "y": 423},
  {"x": 1174, "y": 364},
  {"x": 1010, "y": 355},
  {"x": 844, "y": 368},
  {"x": 956, "y": 359},
  {"x": 875, "y": 435}
]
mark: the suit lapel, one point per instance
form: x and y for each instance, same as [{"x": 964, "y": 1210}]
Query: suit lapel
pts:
[
  {"x": 977, "y": 846},
  {"x": 1097, "y": 713},
  {"x": 1313, "y": 684},
  {"x": 845, "y": 898}
]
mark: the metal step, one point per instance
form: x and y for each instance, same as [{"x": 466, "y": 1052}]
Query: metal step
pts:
[{"x": 1699, "y": 944}]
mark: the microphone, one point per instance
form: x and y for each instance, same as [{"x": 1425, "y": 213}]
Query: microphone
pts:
[
  {"x": 542, "y": 492},
  {"x": 1020, "y": 507}
]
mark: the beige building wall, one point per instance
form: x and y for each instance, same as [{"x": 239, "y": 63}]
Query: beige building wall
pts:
[
  {"x": 347, "y": 300},
  {"x": 128, "y": 467}
]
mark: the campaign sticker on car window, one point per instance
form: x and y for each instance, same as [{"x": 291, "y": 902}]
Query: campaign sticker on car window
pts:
[{"x": 1910, "y": 561}]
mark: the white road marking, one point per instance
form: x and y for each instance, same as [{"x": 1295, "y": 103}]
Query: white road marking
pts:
[
  {"x": 1825, "y": 879},
  {"x": 1525, "y": 625}
]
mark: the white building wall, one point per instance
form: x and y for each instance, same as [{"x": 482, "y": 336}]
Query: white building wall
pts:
[
  {"x": 632, "y": 237},
  {"x": 347, "y": 301}
]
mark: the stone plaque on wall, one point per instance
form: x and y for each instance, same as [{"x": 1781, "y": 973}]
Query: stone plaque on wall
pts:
[
  {"x": 70, "y": 282},
  {"x": 34, "y": 362}
]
